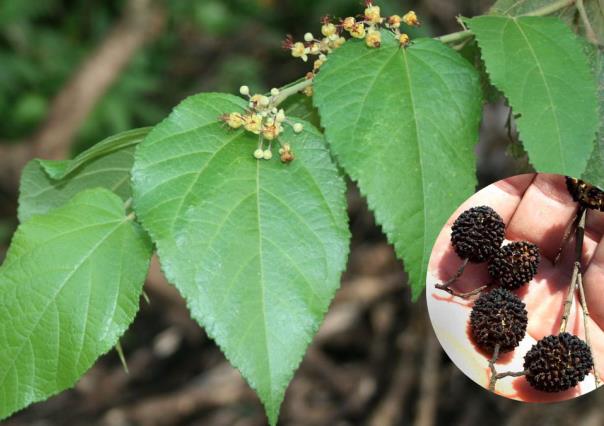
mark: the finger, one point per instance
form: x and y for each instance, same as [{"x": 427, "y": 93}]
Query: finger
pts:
[
  {"x": 594, "y": 225},
  {"x": 502, "y": 196},
  {"x": 593, "y": 280},
  {"x": 543, "y": 214}
]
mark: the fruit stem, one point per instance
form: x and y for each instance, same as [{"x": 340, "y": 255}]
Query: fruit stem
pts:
[
  {"x": 511, "y": 374},
  {"x": 570, "y": 229},
  {"x": 462, "y": 295},
  {"x": 586, "y": 326},
  {"x": 579, "y": 234},
  {"x": 492, "y": 361},
  {"x": 454, "y": 278}
]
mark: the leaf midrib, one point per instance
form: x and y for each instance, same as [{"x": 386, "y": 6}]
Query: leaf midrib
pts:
[
  {"x": 547, "y": 88},
  {"x": 262, "y": 286},
  {"x": 52, "y": 299},
  {"x": 419, "y": 154}
]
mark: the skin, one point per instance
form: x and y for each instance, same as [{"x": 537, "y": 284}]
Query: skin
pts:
[{"x": 536, "y": 208}]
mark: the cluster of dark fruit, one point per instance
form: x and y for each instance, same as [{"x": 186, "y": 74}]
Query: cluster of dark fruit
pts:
[
  {"x": 477, "y": 235},
  {"x": 555, "y": 363},
  {"x": 587, "y": 195},
  {"x": 498, "y": 320}
]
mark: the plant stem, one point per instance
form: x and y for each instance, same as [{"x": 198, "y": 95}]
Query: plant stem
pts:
[
  {"x": 543, "y": 11},
  {"x": 579, "y": 234},
  {"x": 570, "y": 229},
  {"x": 128, "y": 203},
  {"x": 454, "y": 277},
  {"x": 510, "y": 374},
  {"x": 586, "y": 327},
  {"x": 590, "y": 34},
  {"x": 292, "y": 90},
  {"x": 492, "y": 362},
  {"x": 550, "y": 8},
  {"x": 462, "y": 295},
  {"x": 300, "y": 85}
]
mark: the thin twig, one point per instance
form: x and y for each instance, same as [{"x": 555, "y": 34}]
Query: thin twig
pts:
[
  {"x": 551, "y": 8},
  {"x": 586, "y": 326},
  {"x": 462, "y": 295},
  {"x": 510, "y": 374},
  {"x": 569, "y": 297},
  {"x": 492, "y": 361},
  {"x": 579, "y": 235},
  {"x": 571, "y": 226},
  {"x": 455, "y": 276},
  {"x": 590, "y": 34}
]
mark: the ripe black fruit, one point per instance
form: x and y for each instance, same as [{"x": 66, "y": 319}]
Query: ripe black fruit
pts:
[
  {"x": 499, "y": 318},
  {"x": 477, "y": 234},
  {"x": 585, "y": 194},
  {"x": 557, "y": 363},
  {"x": 515, "y": 264}
]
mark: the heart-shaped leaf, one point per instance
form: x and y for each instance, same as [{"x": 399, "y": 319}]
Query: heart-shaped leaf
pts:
[{"x": 256, "y": 247}]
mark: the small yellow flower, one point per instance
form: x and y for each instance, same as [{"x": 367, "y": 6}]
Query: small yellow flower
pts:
[
  {"x": 404, "y": 40},
  {"x": 259, "y": 101},
  {"x": 410, "y": 18},
  {"x": 271, "y": 131},
  {"x": 372, "y": 14},
  {"x": 317, "y": 64},
  {"x": 300, "y": 51},
  {"x": 328, "y": 29},
  {"x": 373, "y": 39},
  {"x": 315, "y": 49},
  {"x": 394, "y": 21},
  {"x": 253, "y": 123},
  {"x": 348, "y": 23},
  {"x": 234, "y": 120},
  {"x": 308, "y": 91},
  {"x": 358, "y": 31},
  {"x": 340, "y": 41}
]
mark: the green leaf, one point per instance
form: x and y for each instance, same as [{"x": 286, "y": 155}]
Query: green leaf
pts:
[
  {"x": 256, "y": 247},
  {"x": 403, "y": 124},
  {"x": 69, "y": 288},
  {"x": 49, "y": 184},
  {"x": 539, "y": 65},
  {"x": 594, "y": 172},
  {"x": 130, "y": 138}
]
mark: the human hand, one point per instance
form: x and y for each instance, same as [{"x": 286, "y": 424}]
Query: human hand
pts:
[{"x": 535, "y": 208}]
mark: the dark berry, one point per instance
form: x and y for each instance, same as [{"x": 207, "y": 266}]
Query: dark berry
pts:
[
  {"x": 557, "y": 363},
  {"x": 477, "y": 234},
  {"x": 498, "y": 317},
  {"x": 515, "y": 264},
  {"x": 585, "y": 194}
]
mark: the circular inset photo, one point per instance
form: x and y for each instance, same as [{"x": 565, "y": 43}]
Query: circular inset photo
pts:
[{"x": 515, "y": 287}]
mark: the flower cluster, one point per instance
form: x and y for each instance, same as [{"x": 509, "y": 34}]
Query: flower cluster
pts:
[
  {"x": 366, "y": 27},
  {"x": 263, "y": 118}
]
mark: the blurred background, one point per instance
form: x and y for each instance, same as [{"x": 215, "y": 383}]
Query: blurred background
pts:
[{"x": 73, "y": 72}]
